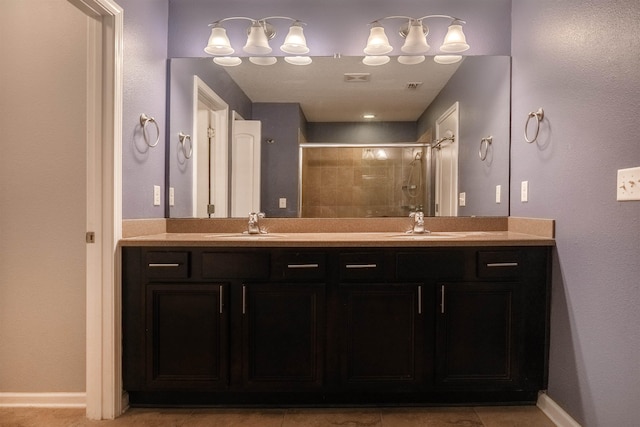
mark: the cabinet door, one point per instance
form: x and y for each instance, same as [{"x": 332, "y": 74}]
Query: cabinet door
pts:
[
  {"x": 186, "y": 336},
  {"x": 476, "y": 334},
  {"x": 283, "y": 335},
  {"x": 382, "y": 332}
]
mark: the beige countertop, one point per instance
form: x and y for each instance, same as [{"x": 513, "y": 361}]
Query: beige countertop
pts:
[{"x": 352, "y": 239}]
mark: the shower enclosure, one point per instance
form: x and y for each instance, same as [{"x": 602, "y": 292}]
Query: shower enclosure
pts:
[{"x": 357, "y": 180}]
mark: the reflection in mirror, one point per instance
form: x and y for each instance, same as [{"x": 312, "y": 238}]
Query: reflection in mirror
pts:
[{"x": 301, "y": 106}]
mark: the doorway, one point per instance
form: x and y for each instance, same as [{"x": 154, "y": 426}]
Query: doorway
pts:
[
  {"x": 445, "y": 151},
  {"x": 210, "y": 153}
]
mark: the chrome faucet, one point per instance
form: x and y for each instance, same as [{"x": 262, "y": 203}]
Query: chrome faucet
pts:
[
  {"x": 418, "y": 223},
  {"x": 253, "y": 227}
]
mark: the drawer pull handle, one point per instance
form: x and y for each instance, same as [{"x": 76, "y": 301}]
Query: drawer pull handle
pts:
[
  {"x": 221, "y": 298},
  {"x": 442, "y": 299},
  {"x": 244, "y": 299},
  {"x": 362, "y": 266},
  {"x": 154, "y": 265},
  {"x": 419, "y": 299},
  {"x": 502, "y": 264},
  {"x": 292, "y": 266}
]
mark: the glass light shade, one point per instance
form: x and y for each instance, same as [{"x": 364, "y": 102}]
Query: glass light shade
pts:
[
  {"x": 378, "y": 43},
  {"x": 376, "y": 60},
  {"x": 257, "y": 42},
  {"x": 228, "y": 61},
  {"x": 447, "y": 59},
  {"x": 455, "y": 40},
  {"x": 295, "y": 42},
  {"x": 218, "y": 43},
  {"x": 263, "y": 60},
  {"x": 381, "y": 154},
  {"x": 410, "y": 60},
  {"x": 416, "y": 41},
  {"x": 298, "y": 60}
]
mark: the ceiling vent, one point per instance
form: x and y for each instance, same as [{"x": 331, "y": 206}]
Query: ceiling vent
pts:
[
  {"x": 357, "y": 77},
  {"x": 413, "y": 85}
]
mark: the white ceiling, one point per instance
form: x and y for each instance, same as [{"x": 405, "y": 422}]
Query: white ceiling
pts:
[{"x": 324, "y": 96}]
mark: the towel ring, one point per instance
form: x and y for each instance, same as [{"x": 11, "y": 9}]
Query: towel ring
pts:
[
  {"x": 539, "y": 115},
  {"x": 484, "y": 143},
  {"x": 183, "y": 139},
  {"x": 144, "y": 121}
]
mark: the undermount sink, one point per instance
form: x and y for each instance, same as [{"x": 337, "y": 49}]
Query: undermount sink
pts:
[
  {"x": 244, "y": 236},
  {"x": 426, "y": 236}
]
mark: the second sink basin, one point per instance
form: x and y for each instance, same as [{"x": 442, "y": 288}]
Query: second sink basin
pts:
[
  {"x": 244, "y": 236},
  {"x": 426, "y": 236}
]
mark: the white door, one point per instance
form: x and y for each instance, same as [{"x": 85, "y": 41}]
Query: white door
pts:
[
  {"x": 245, "y": 168},
  {"x": 446, "y": 159}
]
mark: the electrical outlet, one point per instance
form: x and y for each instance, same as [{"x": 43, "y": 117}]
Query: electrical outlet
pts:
[
  {"x": 462, "y": 199},
  {"x": 156, "y": 195},
  {"x": 282, "y": 203},
  {"x": 524, "y": 191},
  {"x": 628, "y": 184},
  {"x": 498, "y": 193},
  {"x": 172, "y": 196}
]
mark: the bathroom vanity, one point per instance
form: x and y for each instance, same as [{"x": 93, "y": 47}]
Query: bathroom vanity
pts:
[{"x": 335, "y": 318}]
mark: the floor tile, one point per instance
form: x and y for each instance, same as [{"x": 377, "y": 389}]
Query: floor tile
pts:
[
  {"x": 347, "y": 417},
  {"x": 513, "y": 416},
  {"x": 430, "y": 417},
  {"x": 236, "y": 418}
]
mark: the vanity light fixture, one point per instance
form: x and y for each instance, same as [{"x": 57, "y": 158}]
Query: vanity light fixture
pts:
[
  {"x": 368, "y": 116},
  {"x": 259, "y": 33},
  {"x": 415, "y": 33}
]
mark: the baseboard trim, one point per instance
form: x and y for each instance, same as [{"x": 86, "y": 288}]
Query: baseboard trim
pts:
[
  {"x": 43, "y": 400},
  {"x": 555, "y": 413}
]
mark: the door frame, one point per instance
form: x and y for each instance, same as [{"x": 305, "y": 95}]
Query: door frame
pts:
[
  {"x": 220, "y": 147},
  {"x": 104, "y": 394}
]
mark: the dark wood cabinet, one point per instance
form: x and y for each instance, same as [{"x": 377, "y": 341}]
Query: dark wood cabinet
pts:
[
  {"x": 186, "y": 336},
  {"x": 382, "y": 342},
  {"x": 283, "y": 335},
  {"x": 277, "y": 325},
  {"x": 477, "y": 334}
]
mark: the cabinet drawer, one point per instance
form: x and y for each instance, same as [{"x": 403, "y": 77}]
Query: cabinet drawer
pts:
[
  {"x": 430, "y": 265},
  {"x": 362, "y": 266},
  {"x": 299, "y": 266},
  {"x": 499, "y": 264},
  {"x": 169, "y": 265},
  {"x": 235, "y": 265}
]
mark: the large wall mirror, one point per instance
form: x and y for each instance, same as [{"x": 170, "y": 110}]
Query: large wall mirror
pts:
[{"x": 438, "y": 141}]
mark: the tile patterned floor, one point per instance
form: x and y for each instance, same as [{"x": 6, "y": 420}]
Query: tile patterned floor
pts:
[{"x": 500, "y": 416}]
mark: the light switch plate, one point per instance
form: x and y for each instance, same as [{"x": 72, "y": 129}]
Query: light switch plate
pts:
[
  {"x": 498, "y": 193},
  {"x": 462, "y": 199},
  {"x": 524, "y": 191},
  {"x": 172, "y": 196},
  {"x": 628, "y": 184},
  {"x": 282, "y": 202},
  {"x": 156, "y": 195}
]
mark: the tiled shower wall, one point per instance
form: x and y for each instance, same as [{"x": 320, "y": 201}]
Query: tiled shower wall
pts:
[{"x": 350, "y": 182}]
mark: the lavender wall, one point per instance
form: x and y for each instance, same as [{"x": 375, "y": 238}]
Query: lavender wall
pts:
[
  {"x": 484, "y": 111},
  {"x": 579, "y": 61},
  {"x": 359, "y": 132},
  {"x": 279, "y": 160},
  {"x": 145, "y": 56},
  {"x": 180, "y": 117},
  {"x": 337, "y": 26}
]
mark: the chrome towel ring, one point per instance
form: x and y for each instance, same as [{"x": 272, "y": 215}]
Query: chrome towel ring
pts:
[
  {"x": 144, "y": 121},
  {"x": 183, "y": 144},
  {"x": 484, "y": 147},
  {"x": 539, "y": 115}
]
